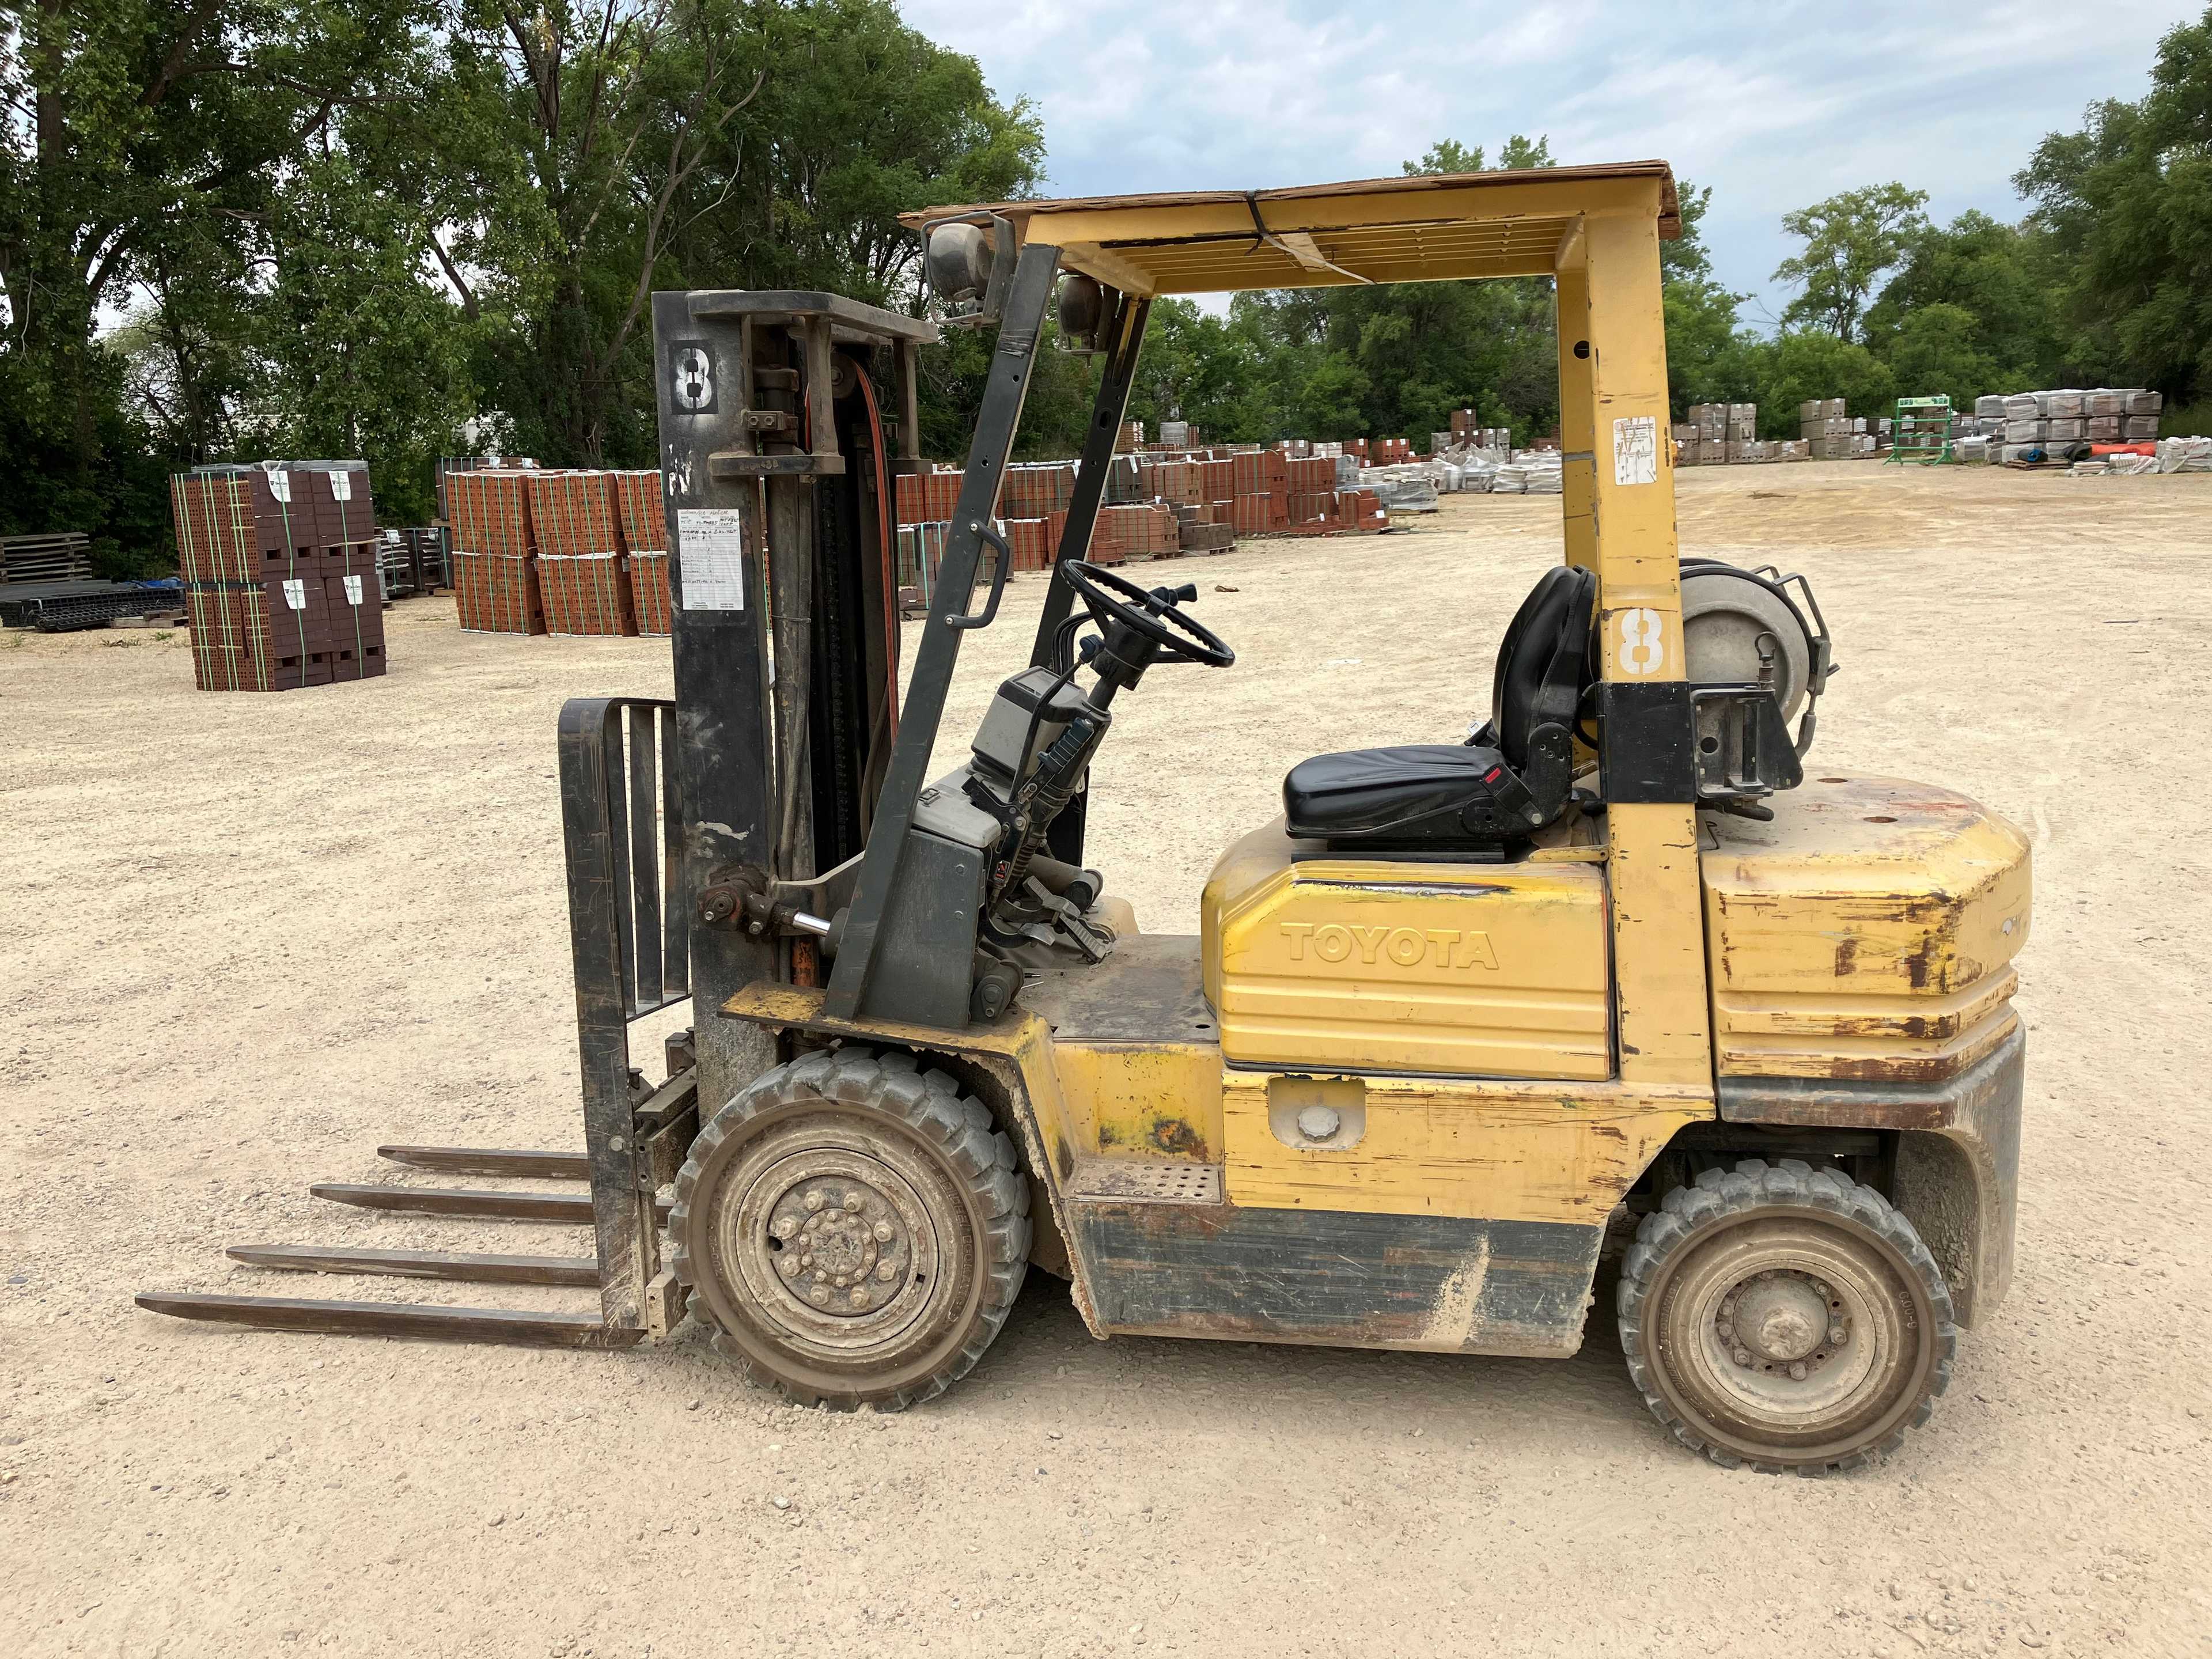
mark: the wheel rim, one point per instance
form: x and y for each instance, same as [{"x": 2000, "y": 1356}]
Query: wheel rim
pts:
[
  {"x": 835, "y": 1248},
  {"x": 1791, "y": 1336}
]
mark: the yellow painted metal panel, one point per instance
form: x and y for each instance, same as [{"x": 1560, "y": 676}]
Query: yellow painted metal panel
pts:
[
  {"x": 1143, "y": 1100},
  {"x": 1488, "y": 1149},
  {"x": 1495, "y": 971},
  {"x": 1661, "y": 1011},
  {"x": 1406, "y": 229},
  {"x": 1867, "y": 931}
]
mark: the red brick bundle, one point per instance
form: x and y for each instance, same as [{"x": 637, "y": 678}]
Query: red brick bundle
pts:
[
  {"x": 640, "y": 515},
  {"x": 927, "y": 497},
  {"x": 570, "y": 513},
  {"x": 1175, "y": 481},
  {"x": 242, "y": 524},
  {"x": 1036, "y": 542},
  {"x": 650, "y": 600},
  {"x": 1139, "y": 532},
  {"x": 316, "y": 628},
  {"x": 1032, "y": 492},
  {"x": 496, "y": 592},
  {"x": 491, "y": 512},
  {"x": 1388, "y": 451},
  {"x": 586, "y": 593},
  {"x": 279, "y": 563}
]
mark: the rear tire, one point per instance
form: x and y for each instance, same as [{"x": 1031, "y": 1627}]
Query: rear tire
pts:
[
  {"x": 853, "y": 1227},
  {"x": 1784, "y": 1317}
]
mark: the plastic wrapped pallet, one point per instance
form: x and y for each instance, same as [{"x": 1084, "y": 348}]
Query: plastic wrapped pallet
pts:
[
  {"x": 2103, "y": 402},
  {"x": 2139, "y": 429},
  {"x": 2023, "y": 406},
  {"x": 2025, "y": 432},
  {"x": 2105, "y": 428},
  {"x": 2064, "y": 405},
  {"x": 2066, "y": 428},
  {"x": 1793, "y": 449},
  {"x": 2145, "y": 403},
  {"x": 1989, "y": 408},
  {"x": 2184, "y": 455},
  {"x": 1975, "y": 448}
]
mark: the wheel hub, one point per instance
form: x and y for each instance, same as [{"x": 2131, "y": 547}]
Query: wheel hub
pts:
[
  {"x": 1781, "y": 1319},
  {"x": 839, "y": 1244}
]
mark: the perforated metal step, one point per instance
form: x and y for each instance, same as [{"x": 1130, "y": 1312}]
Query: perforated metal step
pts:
[{"x": 1154, "y": 1180}]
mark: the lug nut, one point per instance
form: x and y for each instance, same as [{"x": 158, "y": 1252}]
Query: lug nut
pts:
[
  {"x": 1837, "y": 1336},
  {"x": 1797, "y": 1371},
  {"x": 883, "y": 1232},
  {"x": 1742, "y": 1357},
  {"x": 856, "y": 1201},
  {"x": 887, "y": 1272}
]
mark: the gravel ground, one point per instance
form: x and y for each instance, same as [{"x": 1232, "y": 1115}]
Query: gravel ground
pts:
[{"x": 247, "y": 938}]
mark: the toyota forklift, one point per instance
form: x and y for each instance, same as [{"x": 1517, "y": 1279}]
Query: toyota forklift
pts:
[{"x": 1618, "y": 961}]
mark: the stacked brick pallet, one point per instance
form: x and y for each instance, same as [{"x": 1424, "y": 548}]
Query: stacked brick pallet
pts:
[
  {"x": 577, "y": 553},
  {"x": 641, "y": 525},
  {"x": 579, "y": 560},
  {"x": 495, "y": 556},
  {"x": 2104, "y": 415},
  {"x": 279, "y": 566}
]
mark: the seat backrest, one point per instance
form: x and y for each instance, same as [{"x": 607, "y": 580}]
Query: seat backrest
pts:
[{"x": 1543, "y": 666}]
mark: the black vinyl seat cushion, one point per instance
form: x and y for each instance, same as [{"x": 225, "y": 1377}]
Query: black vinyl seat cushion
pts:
[
  {"x": 1386, "y": 793},
  {"x": 1507, "y": 781}
]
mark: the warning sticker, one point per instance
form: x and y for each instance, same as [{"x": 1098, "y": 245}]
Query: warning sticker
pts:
[
  {"x": 1636, "y": 450},
  {"x": 711, "y": 549}
]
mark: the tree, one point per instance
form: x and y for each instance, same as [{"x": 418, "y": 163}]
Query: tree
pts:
[
  {"x": 1997, "y": 277},
  {"x": 1850, "y": 240},
  {"x": 1936, "y": 348},
  {"x": 2128, "y": 197},
  {"x": 1709, "y": 358},
  {"x": 143, "y": 141},
  {"x": 1803, "y": 364}
]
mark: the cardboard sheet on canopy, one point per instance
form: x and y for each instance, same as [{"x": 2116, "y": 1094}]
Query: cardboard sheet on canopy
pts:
[{"x": 1426, "y": 228}]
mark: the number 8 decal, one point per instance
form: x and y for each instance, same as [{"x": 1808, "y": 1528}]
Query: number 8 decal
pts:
[{"x": 1643, "y": 650}]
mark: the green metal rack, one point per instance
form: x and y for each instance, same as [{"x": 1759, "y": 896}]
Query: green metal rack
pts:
[{"x": 1921, "y": 432}]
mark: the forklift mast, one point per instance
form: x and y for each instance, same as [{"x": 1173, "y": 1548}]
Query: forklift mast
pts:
[{"x": 800, "y": 770}]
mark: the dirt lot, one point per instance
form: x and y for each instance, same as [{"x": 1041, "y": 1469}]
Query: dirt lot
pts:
[{"x": 246, "y": 939}]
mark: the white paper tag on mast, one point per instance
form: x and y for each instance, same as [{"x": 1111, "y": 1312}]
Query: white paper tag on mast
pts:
[
  {"x": 1636, "y": 450},
  {"x": 341, "y": 484},
  {"x": 280, "y": 485},
  {"x": 295, "y": 594},
  {"x": 353, "y": 589},
  {"x": 711, "y": 547}
]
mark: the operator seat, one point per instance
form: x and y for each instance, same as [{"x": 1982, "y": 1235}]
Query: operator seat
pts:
[{"x": 1507, "y": 781}]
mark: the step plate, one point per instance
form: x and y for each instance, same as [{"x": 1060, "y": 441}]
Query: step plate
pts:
[{"x": 1141, "y": 1181}]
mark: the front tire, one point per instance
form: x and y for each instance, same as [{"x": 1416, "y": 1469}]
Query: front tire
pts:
[
  {"x": 1784, "y": 1317},
  {"x": 854, "y": 1229}
]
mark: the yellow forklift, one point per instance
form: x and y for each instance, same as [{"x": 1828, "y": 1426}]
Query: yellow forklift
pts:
[{"x": 1619, "y": 957}]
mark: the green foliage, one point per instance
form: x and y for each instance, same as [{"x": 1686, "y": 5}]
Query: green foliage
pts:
[
  {"x": 1970, "y": 310},
  {"x": 2127, "y": 198},
  {"x": 1803, "y": 364},
  {"x": 1850, "y": 240},
  {"x": 368, "y": 227}
]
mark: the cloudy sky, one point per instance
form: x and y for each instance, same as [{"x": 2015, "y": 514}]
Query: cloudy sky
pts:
[{"x": 1774, "y": 104}]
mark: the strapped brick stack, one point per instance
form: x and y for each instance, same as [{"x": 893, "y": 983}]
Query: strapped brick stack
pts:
[
  {"x": 279, "y": 563},
  {"x": 641, "y": 521},
  {"x": 580, "y": 574},
  {"x": 495, "y": 556}
]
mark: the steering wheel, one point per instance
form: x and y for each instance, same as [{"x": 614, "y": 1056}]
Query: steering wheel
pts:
[{"x": 1151, "y": 615}]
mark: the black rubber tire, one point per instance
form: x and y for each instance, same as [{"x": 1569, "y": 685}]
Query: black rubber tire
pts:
[
  {"x": 977, "y": 1203},
  {"x": 1692, "y": 1219}
]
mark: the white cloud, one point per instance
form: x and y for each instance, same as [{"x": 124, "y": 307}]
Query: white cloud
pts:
[{"x": 1774, "y": 104}]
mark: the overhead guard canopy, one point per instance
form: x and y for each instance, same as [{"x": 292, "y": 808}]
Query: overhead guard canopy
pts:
[{"x": 1435, "y": 226}]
